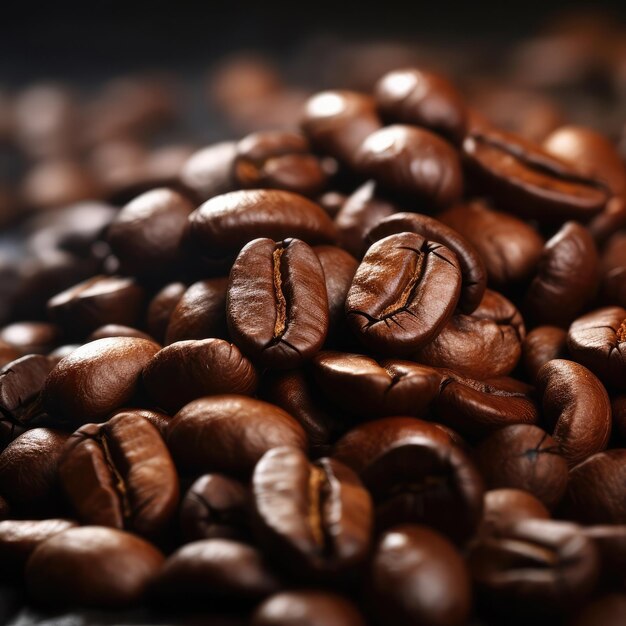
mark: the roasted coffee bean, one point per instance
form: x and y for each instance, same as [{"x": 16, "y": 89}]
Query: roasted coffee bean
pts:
[
  {"x": 610, "y": 540},
  {"x": 472, "y": 267},
  {"x": 96, "y": 379},
  {"x": 503, "y": 507},
  {"x": 28, "y": 471},
  {"x": 120, "y": 474},
  {"x": 542, "y": 344},
  {"x": 277, "y": 306},
  {"x": 566, "y": 279},
  {"x": 229, "y": 434},
  {"x": 525, "y": 457},
  {"x": 598, "y": 341},
  {"x": 161, "y": 308},
  {"x": 337, "y": 122},
  {"x": 147, "y": 233},
  {"x": 278, "y": 160},
  {"x": 611, "y": 220},
  {"x": 415, "y": 473},
  {"x": 534, "y": 567},
  {"x": 530, "y": 181},
  {"x": 187, "y": 370},
  {"x": 576, "y": 407},
  {"x": 223, "y": 225},
  {"x": 400, "y": 278},
  {"x": 217, "y": 569},
  {"x": 365, "y": 388},
  {"x": 215, "y": 507},
  {"x": 608, "y": 610},
  {"x": 307, "y": 608},
  {"x": 331, "y": 202},
  {"x": 95, "y": 302},
  {"x": 418, "y": 577},
  {"x": 92, "y": 567},
  {"x": 485, "y": 344},
  {"x": 613, "y": 269},
  {"x": 117, "y": 330},
  {"x": 478, "y": 407},
  {"x": 509, "y": 248},
  {"x": 412, "y": 162},
  {"x": 422, "y": 98},
  {"x": 159, "y": 420},
  {"x": 594, "y": 492},
  {"x": 208, "y": 172},
  {"x": 62, "y": 351},
  {"x": 31, "y": 337},
  {"x": 19, "y": 538},
  {"x": 200, "y": 312},
  {"x": 316, "y": 518},
  {"x": 361, "y": 211}
]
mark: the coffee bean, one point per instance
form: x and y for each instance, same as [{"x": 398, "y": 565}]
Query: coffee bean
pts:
[
  {"x": 398, "y": 278},
  {"x": 613, "y": 269},
  {"x": 120, "y": 474},
  {"x": 117, "y": 330},
  {"x": 31, "y": 337},
  {"x": 8, "y": 353},
  {"x": 503, "y": 507},
  {"x": 542, "y": 344},
  {"x": 159, "y": 420},
  {"x": 187, "y": 370},
  {"x": 92, "y": 567},
  {"x": 161, "y": 308},
  {"x": 610, "y": 221},
  {"x": 208, "y": 172},
  {"x": 277, "y": 307},
  {"x": 331, "y": 202},
  {"x": 418, "y": 577}
]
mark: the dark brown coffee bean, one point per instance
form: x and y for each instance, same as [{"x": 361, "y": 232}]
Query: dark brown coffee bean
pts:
[
  {"x": 365, "y": 388},
  {"x": 161, "y": 308},
  {"x": 28, "y": 471},
  {"x": 159, "y": 420},
  {"x": 472, "y": 267},
  {"x": 187, "y": 370},
  {"x": 215, "y": 507},
  {"x": 331, "y": 202},
  {"x": 146, "y": 234},
  {"x": 62, "y": 351},
  {"x": 422, "y": 98},
  {"x": 413, "y": 162},
  {"x": 610, "y": 221},
  {"x": 503, "y": 507},
  {"x": 528, "y": 180},
  {"x": 567, "y": 277},
  {"x": 542, "y": 344},
  {"x": 278, "y": 160},
  {"x": 418, "y": 577},
  {"x": 534, "y": 567},
  {"x": 277, "y": 307},
  {"x": 576, "y": 407},
  {"x": 598, "y": 341},
  {"x": 525, "y": 457},
  {"x": 208, "y": 172},
  {"x": 613, "y": 270},
  {"x": 96, "y": 379},
  {"x": 415, "y": 473},
  {"x": 229, "y": 434},
  {"x": 92, "y": 567},
  {"x": 608, "y": 610},
  {"x": 509, "y": 248},
  {"x": 117, "y": 330},
  {"x": 476, "y": 408},
  {"x": 95, "y": 302},
  {"x": 316, "y": 518},
  {"x": 222, "y": 226},
  {"x": 485, "y": 344},
  {"x": 337, "y": 122},
  {"x": 400, "y": 277},
  {"x": 307, "y": 608},
  {"x": 200, "y": 312},
  {"x": 19, "y": 538},
  {"x": 120, "y": 474},
  {"x": 217, "y": 569},
  {"x": 31, "y": 337}
]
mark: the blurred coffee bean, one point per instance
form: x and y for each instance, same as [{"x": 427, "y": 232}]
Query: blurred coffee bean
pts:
[
  {"x": 542, "y": 344},
  {"x": 160, "y": 310},
  {"x": 208, "y": 172},
  {"x": 504, "y": 507}
]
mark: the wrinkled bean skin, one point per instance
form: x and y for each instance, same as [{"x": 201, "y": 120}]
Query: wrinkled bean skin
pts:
[
  {"x": 504, "y": 507},
  {"x": 120, "y": 474},
  {"x": 418, "y": 577},
  {"x": 412, "y": 162},
  {"x": 316, "y": 518},
  {"x": 542, "y": 344},
  {"x": 473, "y": 269},
  {"x": 422, "y": 98},
  {"x": 187, "y": 370},
  {"x": 92, "y": 566},
  {"x": 523, "y": 457},
  {"x": 386, "y": 304},
  {"x": 576, "y": 407},
  {"x": 567, "y": 277},
  {"x": 277, "y": 305},
  {"x": 107, "y": 373},
  {"x": 229, "y": 434},
  {"x": 598, "y": 341}
]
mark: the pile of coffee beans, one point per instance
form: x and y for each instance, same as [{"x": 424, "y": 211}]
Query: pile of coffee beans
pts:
[{"x": 371, "y": 371}]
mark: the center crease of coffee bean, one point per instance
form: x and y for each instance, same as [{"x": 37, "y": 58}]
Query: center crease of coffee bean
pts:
[
  {"x": 120, "y": 486},
  {"x": 281, "y": 303},
  {"x": 316, "y": 482},
  {"x": 401, "y": 303}
]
